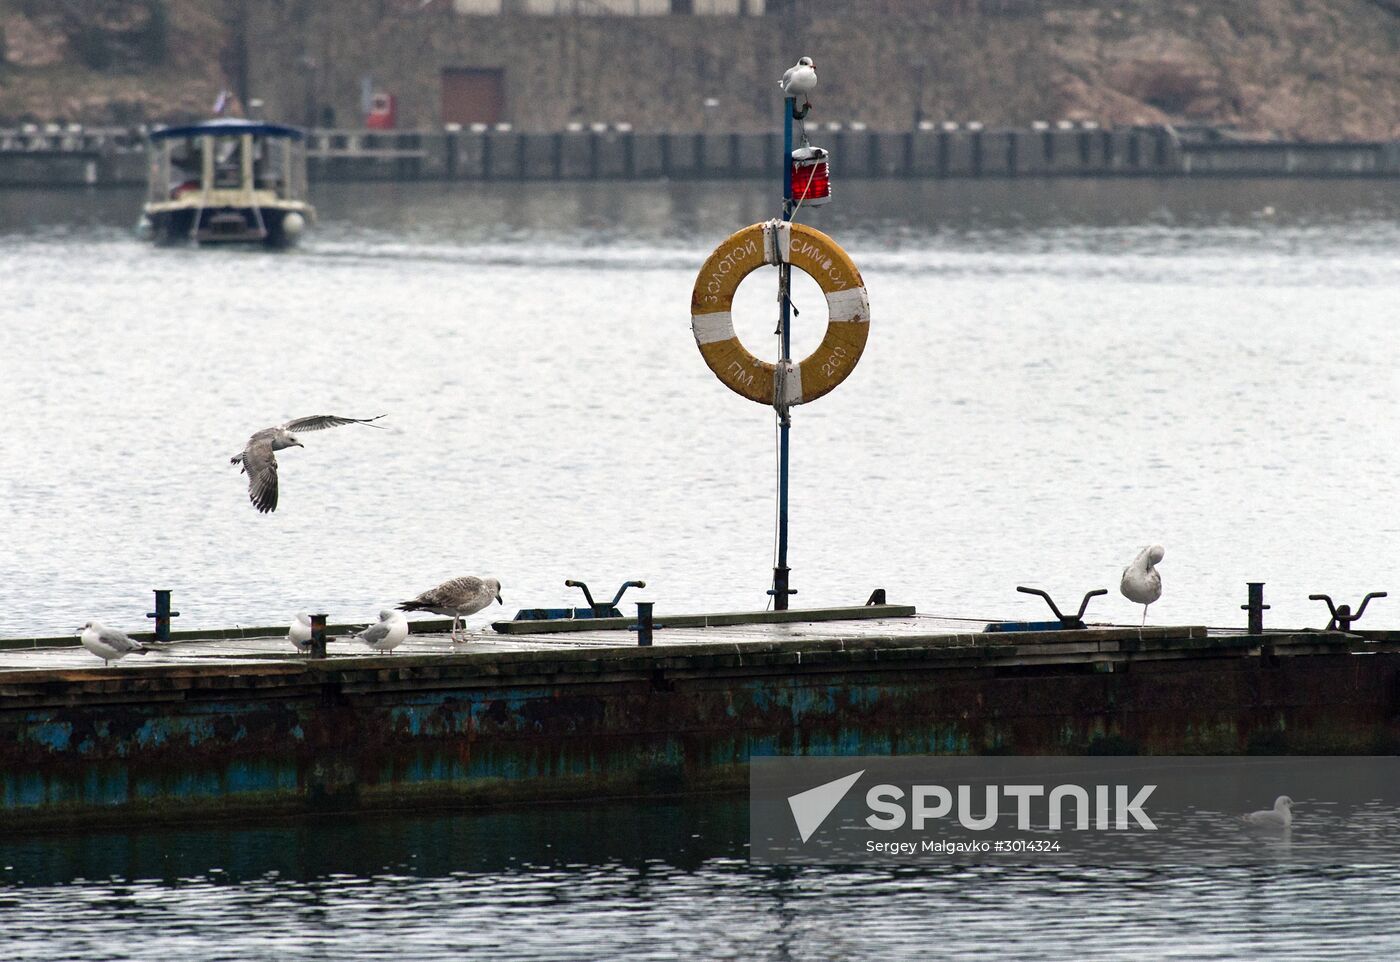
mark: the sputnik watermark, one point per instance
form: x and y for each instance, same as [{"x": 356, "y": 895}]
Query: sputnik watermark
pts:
[
  {"x": 1087, "y": 810},
  {"x": 889, "y": 811},
  {"x": 892, "y": 807}
]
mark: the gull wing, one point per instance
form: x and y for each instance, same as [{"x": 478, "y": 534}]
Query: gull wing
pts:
[
  {"x": 117, "y": 640},
  {"x": 261, "y": 465},
  {"x": 454, "y": 592},
  {"x": 374, "y": 633},
  {"x": 787, "y": 77},
  {"x": 319, "y": 422}
]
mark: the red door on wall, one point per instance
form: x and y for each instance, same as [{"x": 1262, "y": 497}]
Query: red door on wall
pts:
[{"x": 473, "y": 96}]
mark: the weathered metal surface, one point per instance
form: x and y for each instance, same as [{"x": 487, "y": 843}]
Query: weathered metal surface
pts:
[
  {"x": 711, "y": 619},
  {"x": 191, "y": 736}
]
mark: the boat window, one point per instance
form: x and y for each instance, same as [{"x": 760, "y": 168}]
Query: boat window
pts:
[
  {"x": 186, "y": 166},
  {"x": 268, "y": 164},
  {"x": 228, "y": 162}
]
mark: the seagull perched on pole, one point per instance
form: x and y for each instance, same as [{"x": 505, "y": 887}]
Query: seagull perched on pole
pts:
[
  {"x": 1142, "y": 583},
  {"x": 801, "y": 78},
  {"x": 260, "y": 464},
  {"x": 459, "y": 597}
]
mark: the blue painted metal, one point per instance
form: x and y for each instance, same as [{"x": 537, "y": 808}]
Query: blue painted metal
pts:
[
  {"x": 162, "y": 614},
  {"x": 781, "y": 572},
  {"x": 1004, "y": 626}
]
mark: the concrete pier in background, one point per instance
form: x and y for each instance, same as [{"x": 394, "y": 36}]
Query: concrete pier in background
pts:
[{"x": 99, "y": 158}]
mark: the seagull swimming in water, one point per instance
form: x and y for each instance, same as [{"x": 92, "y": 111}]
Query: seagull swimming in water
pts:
[
  {"x": 459, "y": 597},
  {"x": 1142, "y": 583},
  {"x": 260, "y": 463},
  {"x": 109, "y": 644},
  {"x": 299, "y": 634},
  {"x": 1278, "y": 817},
  {"x": 388, "y": 634},
  {"x": 800, "y": 79}
]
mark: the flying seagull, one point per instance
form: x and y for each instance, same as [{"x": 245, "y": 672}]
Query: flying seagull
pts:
[
  {"x": 109, "y": 644},
  {"x": 459, "y": 597},
  {"x": 1142, "y": 583},
  {"x": 388, "y": 634},
  {"x": 260, "y": 463},
  {"x": 1278, "y": 817},
  {"x": 801, "y": 78},
  {"x": 299, "y": 634}
]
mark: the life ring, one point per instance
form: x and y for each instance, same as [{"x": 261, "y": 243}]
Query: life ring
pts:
[{"x": 847, "y": 327}]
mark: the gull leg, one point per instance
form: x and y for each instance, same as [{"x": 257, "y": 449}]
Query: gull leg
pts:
[{"x": 1144, "y": 617}]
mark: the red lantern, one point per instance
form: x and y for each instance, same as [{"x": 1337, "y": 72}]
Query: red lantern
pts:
[{"x": 811, "y": 176}]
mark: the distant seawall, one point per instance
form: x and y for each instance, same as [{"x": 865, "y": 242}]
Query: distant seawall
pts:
[{"x": 117, "y": 157}]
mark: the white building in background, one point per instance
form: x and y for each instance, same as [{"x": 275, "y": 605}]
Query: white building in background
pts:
[{"x": 612, "y": 8}]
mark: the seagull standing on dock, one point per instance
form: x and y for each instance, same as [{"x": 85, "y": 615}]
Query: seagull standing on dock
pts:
[
  {"x": 388, "y": 634},
  {"x": 1277, "y": 818},
  {"x": 1142, "y": 583},
  {"x": 299, "y": 634},
  {"x": 800, "y": 79},
  {"x": 459, "y": 597},
  {"x": 109, "y": 644},
  {"x": 260, "y": 464}
]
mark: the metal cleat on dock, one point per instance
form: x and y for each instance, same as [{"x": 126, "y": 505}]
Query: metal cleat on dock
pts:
[
  {"x": 594, "y": 609},
  {"x": 1064, "y": 622},
  {"x": 1342, "y": 618},
  {"x": 162, "y": 615},
  {"x": 318, "y": 636},
  {"x": 1256, "y": 607}
]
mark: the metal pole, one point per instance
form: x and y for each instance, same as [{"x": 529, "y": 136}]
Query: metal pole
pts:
[
  {"x": 162, "y": 614},
  {"x": 1256, "y": 607},
  {"x": 780, "y": 570},
  {"x": 318, "y": 636}
]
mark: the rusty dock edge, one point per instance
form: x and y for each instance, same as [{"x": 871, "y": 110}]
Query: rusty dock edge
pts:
[{"x": 175, "y": 742}]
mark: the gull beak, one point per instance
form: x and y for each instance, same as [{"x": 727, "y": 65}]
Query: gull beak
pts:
[
  {"x": 299, "y": 444},
  {"x": 498, "y": 599}
]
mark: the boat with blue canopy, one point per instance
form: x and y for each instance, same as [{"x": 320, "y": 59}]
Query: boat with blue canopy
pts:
[{"x": 227, "y": 181}]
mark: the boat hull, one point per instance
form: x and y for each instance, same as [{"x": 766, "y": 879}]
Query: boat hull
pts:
[{"x": 275, "y": 227}]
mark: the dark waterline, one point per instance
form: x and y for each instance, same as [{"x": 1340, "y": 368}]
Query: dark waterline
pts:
[{"x": 640, "y": 880}]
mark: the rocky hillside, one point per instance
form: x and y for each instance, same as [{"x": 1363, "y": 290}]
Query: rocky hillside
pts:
[
  {"x": 110, "y": 61},
  {"x": 1306, "y": 69}
]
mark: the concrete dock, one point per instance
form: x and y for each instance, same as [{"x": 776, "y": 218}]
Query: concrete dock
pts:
[
  {"x": 99, "y": 157},
  {"x": 235, "y": 726}
]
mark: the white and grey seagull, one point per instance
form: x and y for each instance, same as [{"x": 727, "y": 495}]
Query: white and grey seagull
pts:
[
  {"x": 800, "y": 79},
  {"x": 1279, "y": 817},
  {"x": 459, "y": 597},
  {"x": 260, "y": 463},
  {"x": 387, "y": 634},
  {"x": 299, "y": 633},
  {"x": 1142, "y": 582},
  {"x": 109, "y": 644}
]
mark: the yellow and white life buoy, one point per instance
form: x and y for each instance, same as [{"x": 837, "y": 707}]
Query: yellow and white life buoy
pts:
[{"x": 810, "y": 250}]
